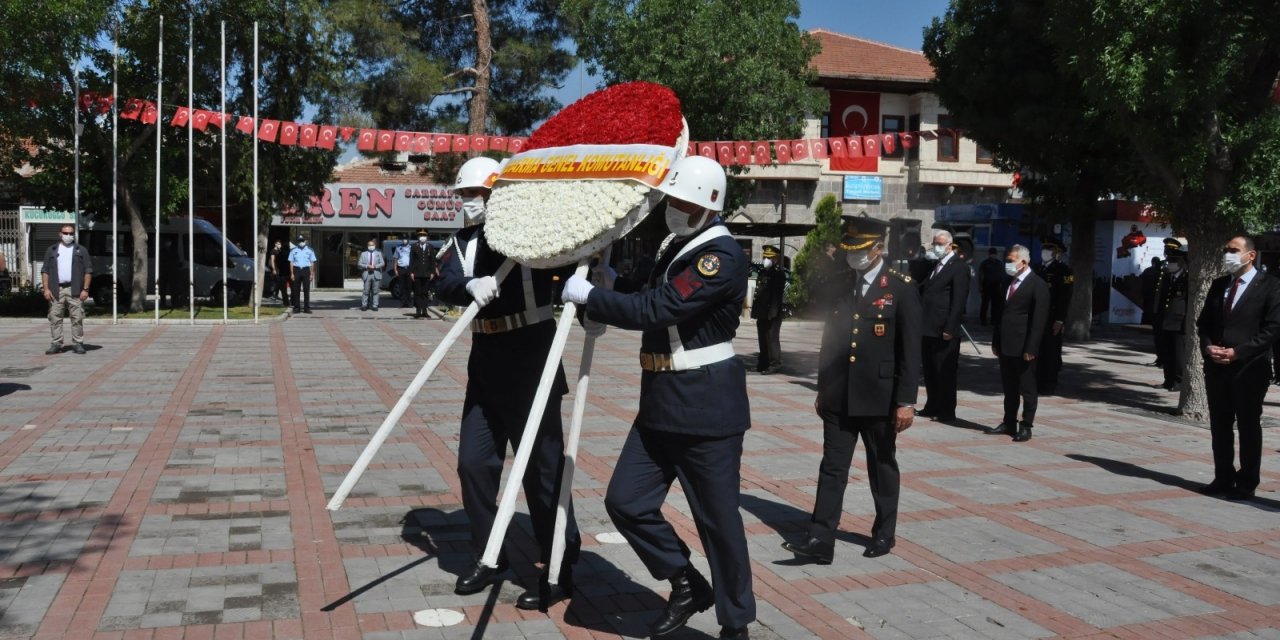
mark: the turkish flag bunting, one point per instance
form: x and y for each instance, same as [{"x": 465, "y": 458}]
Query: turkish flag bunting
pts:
[
  {"x": 404, "y": 140},
  {"x": 421, "y": 143},
  {"x": 724, "y": 152},
  {"x": 460, "y": 144},
  {"x": 368, "y": 140},
  {"x": 479, "y": 143},
  {"x": 268, "y": 130},
  {"x": 707, "y": 150},
  {"x": 838, "y": 148},
  {"x": 871, "y": 146},
  {"x": 307, "y": 135},
  {"x": 386, "y": 140},
  {"x": 132, "y": 109},
  {"x": 181, "y": 117},
  {"x": 441, "y": 143},
  {"x": 288, "y": 133},
  {"x": 217, "y": 119},
  {"x": 799, "y": 150},
  {"x": 854, "y": 146},
  {"x": 498, "y": 143},
  {"x": 760, "y": 152},
  {"x": 150, "y": 114},
  {"x": 346, "y": 132},
  {"x": 889, "y": 142},
  {"x": 783, "y": 149},
  {"x": 818, "y": 149},
  {"x": 245, "y": 125},
  {"x": 200, "y": 120},
  {"x": 742, "y": 152},
  {"x": 516, "y": 145},
  {"x": 690, "y": 149},
  {"x": 327, "y": 136},
  {"x": 908, "y": 140}
]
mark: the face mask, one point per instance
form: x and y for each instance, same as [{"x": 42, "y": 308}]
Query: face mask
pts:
[
  {"x": 1046, "y": 255},
  {"x": 768, "y": 263},
  {"x": 1233, "y": 261},
  {"x": 1172, "y": 267},
  {"x": 422, "y": 239},
  {"x": 935, "y": 252},
  {"x": 1011, "y": 268},
  {"x": 678, "y": 222},
  {"x": 302, "y": 244},
  {"x": 859, "y": 260},
  {"x": 473, "y": 210},
  {"x": 68, "y": 238},
  {"x": 371, "y": 247}
]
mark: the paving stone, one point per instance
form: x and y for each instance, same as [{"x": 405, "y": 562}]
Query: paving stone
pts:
[
  {"x": 224, "y": 457},
  {"x": 391, "y": 482},
  {"x": 92, "y": 437},
  {"x": 974, "y": 539},
  {"x": 996, "y": 488},
  {"x": 252, "y": 487},
  {"x": 24, "y": 602},
  {"x": 203, "y": 595},
  {"x": 33, "y": 541},
  {"x": 43, "y": 462},
  {"x": 1104, "y": 526},
  {"x": 391, "y": 453},
  {"x": 50, "y": 495},
  {"x": 1104, "y": 596},
  {"x": 930, "y": 610},
  {"x": 206, "y": 533},
  {"x": 1243, "y": 573},
  {"x": 1224, "y": 515}
]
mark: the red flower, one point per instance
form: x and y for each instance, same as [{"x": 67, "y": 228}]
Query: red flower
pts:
[{"x": 628, "y": 113}]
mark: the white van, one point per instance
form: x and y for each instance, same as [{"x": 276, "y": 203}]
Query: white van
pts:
[{"x": 210, "y": 245}]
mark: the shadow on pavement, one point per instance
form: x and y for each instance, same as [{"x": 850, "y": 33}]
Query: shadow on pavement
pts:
[
  {"x": 1134, "y": 471},
  {"x": 7, "y": 388}
]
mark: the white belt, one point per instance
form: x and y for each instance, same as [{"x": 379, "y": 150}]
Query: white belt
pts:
[
  {"x": 513, "y": 321},
  {"x": 687, "y": 359}
]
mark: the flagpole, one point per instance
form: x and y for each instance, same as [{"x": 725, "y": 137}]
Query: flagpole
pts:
[
  {"x": 75, "y": 133},
  {"x": 226, "y": 236},
  {"x": 257, "y": 270},
  {"x": 155, "y": 240},
  {"x": 191, "y": 192},
  {"x": 115, "y": 180}
]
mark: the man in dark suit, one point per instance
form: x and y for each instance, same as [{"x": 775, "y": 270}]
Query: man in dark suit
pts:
[
  {"x": 1057, "y": 276},
  {"x": 766, "y": 310},
  {"x": 943, "y": 296},
  {"x": 1169, "y": 314},
  {"x": 868, "y": 372},
  {"x": 1019, "y": 330},
  {"x": 423, "y": 272},
  {"x": 1239, "y": 321}
]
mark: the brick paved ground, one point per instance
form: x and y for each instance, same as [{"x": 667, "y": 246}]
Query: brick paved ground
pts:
[{"x": 172, "y": 483}]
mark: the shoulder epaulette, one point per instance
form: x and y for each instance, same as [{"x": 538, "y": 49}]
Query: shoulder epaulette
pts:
[{"x": 901, "y": 276}]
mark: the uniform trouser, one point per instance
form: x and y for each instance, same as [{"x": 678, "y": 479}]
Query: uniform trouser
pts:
[
  {"x": 839, "y": 438},
  {"x": 1172, "y": 354},
  {"x": 1018, "y": 379},
  {"x": 1235, "y": 394},
  {"x": 987, "y": 304},
  {"x": 372, "y": 287},
  {"x": 769, "y": 331},
  {"x": 302, "y": 281},
  {"x": 1157, "y": 335},
  {"x": 70, "y": 305},
  {"x": 487, "y": 429},
  {"x": 421, "y": 292},
  {"x": 941, "y": 360},
  {"x": 404, "y": 288},
  {"x": 708, "y": 469},
  {"x": 1049, "y": 362}
]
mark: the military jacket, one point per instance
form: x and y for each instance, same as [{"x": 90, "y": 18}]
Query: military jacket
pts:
[
  {"x": 1060, "y": 280},
  {"x": 770, "y": 286},
  {"x": 1171, "y": 302}
]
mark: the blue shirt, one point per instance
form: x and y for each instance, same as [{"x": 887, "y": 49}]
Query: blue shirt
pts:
[
  {"x": 402, "y": 255},
  {"x": 302, "y": 257}
]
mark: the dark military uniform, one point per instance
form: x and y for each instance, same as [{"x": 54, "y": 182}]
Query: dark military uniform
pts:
[
  {"x": 868, "y": 367},
  {"x": 766, "y": 310},
  {"x": 693, "y": 414},
  {"x": 422, "y": 266},
  {"x": 1059, "y": 277},
  {"x": 511, "y": 338},
  {"x": 1170, "y": 319}
]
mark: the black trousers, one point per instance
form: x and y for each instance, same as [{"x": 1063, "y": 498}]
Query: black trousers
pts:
[
  {"x": 839, "y": 437},
  {"x": 708, "y": 469},
  {"x": 1235, "y": 392},
  {"x": 1157, "y": 336},
  {"x": 941, "y": 360},
  {"x": 1018, "y": 379},
  {"x": 487, "y": 429},
  {"x": 422, "y": 287},
  {"x": 302, "y": 284},
  {"x": 404, "y": 288},
  {"x": 1172, "y": 352},
  {"x": 989, "y": 297},
  {"x": 1049, "y": 362},
  {"x": 769, "y": 331}
]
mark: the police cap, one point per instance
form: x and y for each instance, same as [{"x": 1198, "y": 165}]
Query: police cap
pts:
[
  {"x": 1050, "y": 242},
  {"x": 769, "y": 251}
]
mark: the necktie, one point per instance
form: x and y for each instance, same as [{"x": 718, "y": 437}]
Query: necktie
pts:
[
  {"x": 1231, "y": 297},
  {"x": 1013, "y": 286},
  {"x": 937, "y": 269}
]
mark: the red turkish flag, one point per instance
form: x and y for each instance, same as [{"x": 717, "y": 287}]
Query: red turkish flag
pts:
[
  {"x": 217, "y": 119},
  {"x": 498, "y": 143},
  {"x": 690, "y": 149},
  {"x": 327, "y": 136},
  {"x": 871, "y": 146},
  {"x": 200, "y": 121},
  {"x": 908, "y": 140},
  {"x": 889, "y": 143},
  {"x": 838, "y": 148},
  {"x": 854, "y": 146},
  {"x": 783, "y": 149},
  {"x": 181, "y": 117},
  {"x": 854, "y": 113},
  {"x": 818, "y": 149},
  {"x": 479, "y": 143},
  {"x": 404, "y": 140},
  {"x": 441, "y": 143},
  {"x": 346, "y": 133},
  {"x": 724, "y": 153},
  {"x": 742, "y": 152},
  {"x": 132, "y": 109},
  {"x": 421, "y": 143},
  {"x": 799, "y": 150},
  {"x": 516, "y": 145},
  {"x": 386, "y": 140},
  {"x": 307, "y": 135},
  {"x": 268, "y": 130},
  {"x": 245, "y": 125},
  {"x": 368, "y": 140},
  {"x": 460, "y": 144},
  {"x": 288, "y": 133},
  {"x": 760, "y": 153},
  {"x": 707, "y": 150},
  {"x": 149, "y": 113}
]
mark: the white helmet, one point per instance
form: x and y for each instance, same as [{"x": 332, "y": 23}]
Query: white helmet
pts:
[
  {"x": 698, "y": 180},
  {"x": 476, "y": 172}
]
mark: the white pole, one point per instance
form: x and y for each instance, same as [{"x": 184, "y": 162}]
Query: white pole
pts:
[
  {"x": 75, "y": 133},
  {"x": 257, "y": 270},
  {"x": 115, "y": 180},
  {"x": 191, "y": 172},
  {"x": 506, "y": 508},
  {"x": 155, "y": 240},
  {"x": 226, "y": 236},
  {"x": 380, "y": 436}
]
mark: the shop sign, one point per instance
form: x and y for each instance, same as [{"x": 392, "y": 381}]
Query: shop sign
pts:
[
  {"x": 863, "y": 188},
  {"x": 379, "y": 206},
  {"x": 39, "y": 215}
]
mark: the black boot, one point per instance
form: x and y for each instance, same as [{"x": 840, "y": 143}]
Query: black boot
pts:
[
  {"x": 1024, "y": 432},
  {"x": 690, "y": 593},
  {"x": 546, "y": 594}
]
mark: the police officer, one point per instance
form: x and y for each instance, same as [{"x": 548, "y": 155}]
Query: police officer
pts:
[
  {"x": 422, "y": 258},
  {"x": 766, "y": 310},
  {"x": 943, "y": 297},
  {"x": 1170, "y": 313},
  {"x": 1058, "y": 276},
  {"x": 693, "y": 403},
  {"x": 302, "y": 261},
  {"x": 511, "y": 337},
  {"x": 404, "y": 288},
  {"x": 868, "y": 369}
]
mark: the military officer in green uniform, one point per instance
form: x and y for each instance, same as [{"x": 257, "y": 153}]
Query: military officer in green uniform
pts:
[
  {"x": 766, "y": 310},
  {"x": 1058, "y": 276}
]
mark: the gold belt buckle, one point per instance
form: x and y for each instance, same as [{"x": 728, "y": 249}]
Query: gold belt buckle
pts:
[
  {"x": 664, "y": 362},
  {"x": 490, "y": 325},
  {"x": 646, "y": 361}
]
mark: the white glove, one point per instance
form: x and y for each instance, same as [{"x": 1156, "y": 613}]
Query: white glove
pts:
[
  {"x": 483, "y": 290},
  {"x": 576, "y": 290},
  {"x": 593, "y": 328}
]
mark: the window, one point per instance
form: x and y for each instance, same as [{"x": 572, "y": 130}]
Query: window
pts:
[
  {"x": 825, "y": 132},
  {"x": 913, "y": 125},
  {"x": 948, "y": 141},
  {"x": 893, "y": 124},
  {"x": 984, "y": 155}
]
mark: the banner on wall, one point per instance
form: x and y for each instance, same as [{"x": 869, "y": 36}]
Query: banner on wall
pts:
[{"x": 379, "y": 206}]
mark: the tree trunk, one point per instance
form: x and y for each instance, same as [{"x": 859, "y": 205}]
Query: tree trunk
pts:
[
  {"x": 138, "y": 262},
  {"x": 1084, "y": 225},
  {"x": 1206, "y": 233},
  {"x": 479, "y": 107}
]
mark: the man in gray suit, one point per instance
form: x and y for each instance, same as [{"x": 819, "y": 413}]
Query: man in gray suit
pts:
[{"x": 371, "y": 266}]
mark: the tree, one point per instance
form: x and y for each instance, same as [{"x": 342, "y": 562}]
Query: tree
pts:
[
  {"x": 997, "y": 74},
  {"x": 1187, "y": 85},
  {"x": 808, "y": 264}
]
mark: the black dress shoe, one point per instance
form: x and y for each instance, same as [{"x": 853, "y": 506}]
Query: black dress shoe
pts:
[
  {"x": 1240, "y": 494},
  {"x": 927, "y": 413},
  {"x": 1215, "y": 489},
  {"x": 306, "y": 311},
  {"x": 53, "y": 348},
  {"x": 1002, "y": 429},
  {"x": 878, "y": 548},
  {"x": 729, "y": 633},
  {"x": 1023, "y": 434},
  {"x": 475, "y": 580},
  {"x": 690, "y": 593},
  {"x": 544, "y": 596},
  {"x": 820, "y": 551},
  {"x": 77, "y": 348}
]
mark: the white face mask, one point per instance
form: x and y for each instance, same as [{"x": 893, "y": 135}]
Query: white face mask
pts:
[
  {"x": 767, "y": 263},
  {"x": 422, "y": 239},
  {"x": 935, "y": 252},
  {"x": 371, "y": 247},
  {"x": 302, "y": 244},
  {"x": 1233, "y": 261},
  {"x": 473, "y": 210},
  {"x": 678, "y": 222},
  {"x": 1011, "y": 268},
  {"x": 68, "y": 238},
  {"x": 1046, "y": 255},
  {"x": 1172, "y": 267},
  {"x": 859, "y": 260}
]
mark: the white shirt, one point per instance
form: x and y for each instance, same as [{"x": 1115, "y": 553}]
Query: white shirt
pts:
[
  {"x": 867, "y": 279},
  {"x": 1244, "y": 284},
  {"x": 65, "y": 253}
]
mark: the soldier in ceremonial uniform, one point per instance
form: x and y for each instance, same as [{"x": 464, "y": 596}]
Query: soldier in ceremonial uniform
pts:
[
  {"x": 511, "y": 337},
  {"x": 1169, "y": 316},
  {"x": 766, "y": 310},
  {"x": 868, "y": 371},
  {"x": 1058, "y": 276},
  {"x": 693, "y": 404},
  {"x": 423, "y": 266}
]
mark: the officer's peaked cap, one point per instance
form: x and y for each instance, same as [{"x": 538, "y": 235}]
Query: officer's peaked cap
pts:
[{"x": 862, "y": 232}]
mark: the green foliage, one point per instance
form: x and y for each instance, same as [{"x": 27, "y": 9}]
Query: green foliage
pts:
[
  {"x": 808, "y": 262},
  {"x": 26, "y": 302}
]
